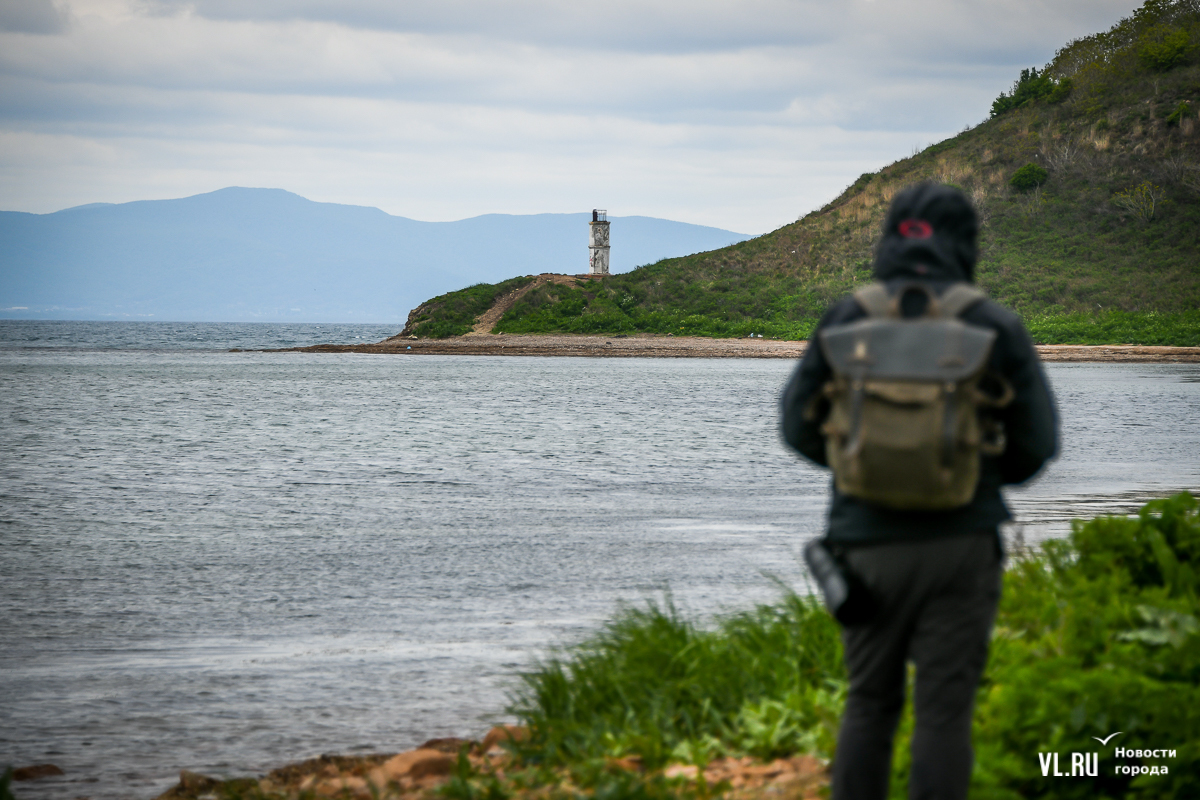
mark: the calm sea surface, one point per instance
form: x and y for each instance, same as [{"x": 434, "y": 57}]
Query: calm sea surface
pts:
[{"x": 228, "y": 561}]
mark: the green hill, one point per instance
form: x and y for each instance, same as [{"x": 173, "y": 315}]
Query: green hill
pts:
[{"x": 1086, "y": 178}]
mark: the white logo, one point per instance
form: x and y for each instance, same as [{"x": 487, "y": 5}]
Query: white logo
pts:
[
  {"x": 1082, "y": 765},
  {"x": 1106, "y": 739}
]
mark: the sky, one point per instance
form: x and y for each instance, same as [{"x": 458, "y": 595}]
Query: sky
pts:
[{"x": 742, "y": 115}]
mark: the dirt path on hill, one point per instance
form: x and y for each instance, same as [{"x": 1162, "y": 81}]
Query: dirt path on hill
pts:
[{"x": 489, "y": 318}]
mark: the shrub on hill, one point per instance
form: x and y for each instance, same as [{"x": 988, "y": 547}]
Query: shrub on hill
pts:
[
  {"x": 1140, "y": 200},
  {"x": 1164, "y": 48},
  {"x": 1029, "y": 87},
  {"x": 1028, "y": 177}
]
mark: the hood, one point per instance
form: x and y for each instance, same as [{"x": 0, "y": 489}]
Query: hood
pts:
[{"x": 930, "y": 232}]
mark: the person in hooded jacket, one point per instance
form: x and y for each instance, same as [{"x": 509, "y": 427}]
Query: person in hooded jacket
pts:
[{"x": 934, "y": 574}]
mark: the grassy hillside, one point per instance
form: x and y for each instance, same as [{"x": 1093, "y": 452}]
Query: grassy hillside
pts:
[{"x": 1086, "y": 177}]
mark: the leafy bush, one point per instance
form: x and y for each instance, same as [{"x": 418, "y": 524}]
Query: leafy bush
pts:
[
  {"x": 1181, "y": 111},
  {"x": 1028, "y": 177},
  {"x": 1164, "y": 48},
  {"x": 1140, "y": 200},
  {"x": 1097, "y": 634},
  {"x": 1061, "y": 91},
  {"x": 1031, "y": 86}
]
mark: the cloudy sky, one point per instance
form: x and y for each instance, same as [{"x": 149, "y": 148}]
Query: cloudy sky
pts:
[{"x": 742, "y": 115}]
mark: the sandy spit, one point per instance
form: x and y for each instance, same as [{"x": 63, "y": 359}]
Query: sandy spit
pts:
[{"x": 644, "y": 345}]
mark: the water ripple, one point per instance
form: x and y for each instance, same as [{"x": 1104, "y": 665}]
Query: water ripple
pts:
[{"x": 223, "y": 562}]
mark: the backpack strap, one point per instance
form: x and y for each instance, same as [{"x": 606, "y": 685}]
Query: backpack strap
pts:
[
  {"x": 874, "y": 300},
  {"x": 958, "y": 298}
]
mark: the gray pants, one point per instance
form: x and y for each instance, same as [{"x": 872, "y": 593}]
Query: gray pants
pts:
[{"x": 938, "y": 600}]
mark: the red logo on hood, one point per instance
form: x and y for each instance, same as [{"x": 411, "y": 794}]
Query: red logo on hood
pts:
[{"x": 915, "y": 229}]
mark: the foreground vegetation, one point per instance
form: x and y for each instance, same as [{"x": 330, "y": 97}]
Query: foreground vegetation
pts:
[
  {"x": 1096, "y": 633},
  {"x": 1087, "y": 178}
]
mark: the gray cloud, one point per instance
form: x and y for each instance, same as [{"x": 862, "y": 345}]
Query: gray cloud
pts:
[
  {"x": 632, "y": 25},
  {"x": 741, "y": 115},
  {"x": 31, "y": 16},
  {"x": 941, "y": 30},
  {"x": 876, "y": 71}
]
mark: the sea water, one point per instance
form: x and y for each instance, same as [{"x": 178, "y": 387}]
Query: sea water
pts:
[
  {"x": 224, "y": 562},
  {"x": 143, "y": 336}
]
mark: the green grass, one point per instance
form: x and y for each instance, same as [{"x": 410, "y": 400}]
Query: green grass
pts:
[
  {"x": 596, "y": 308},
  {"x": 654, "y": 684},
  {"x": 611, "y": 308},
  {"x": 1096, "y": 633},
  {"x": 1117, "y": 327}
]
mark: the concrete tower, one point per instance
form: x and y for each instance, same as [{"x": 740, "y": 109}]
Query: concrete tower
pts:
[{"x": 598, "y": 242}]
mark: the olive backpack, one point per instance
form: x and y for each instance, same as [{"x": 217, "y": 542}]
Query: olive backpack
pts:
[{"x": 908, "y": 419}]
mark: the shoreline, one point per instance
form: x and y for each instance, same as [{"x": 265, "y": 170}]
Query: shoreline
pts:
[
  {"x": 644, "y": 345},
  {"x": 424, "y": 772}
]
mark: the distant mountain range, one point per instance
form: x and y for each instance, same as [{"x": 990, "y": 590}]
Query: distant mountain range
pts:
[{"x": 269, "y": 255}]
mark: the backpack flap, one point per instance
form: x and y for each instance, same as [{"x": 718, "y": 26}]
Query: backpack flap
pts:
[
  {"x": 935, "y": 350},
  {"x": 904, "y": 427}
]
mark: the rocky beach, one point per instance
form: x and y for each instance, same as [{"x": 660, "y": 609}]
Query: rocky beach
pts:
[
  {"x": 644, "y": 345},
  {"x": 494, "y": 761}
]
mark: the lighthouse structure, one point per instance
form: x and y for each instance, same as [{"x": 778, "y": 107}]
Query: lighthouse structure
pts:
[{"x": 598, "y": 242}]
